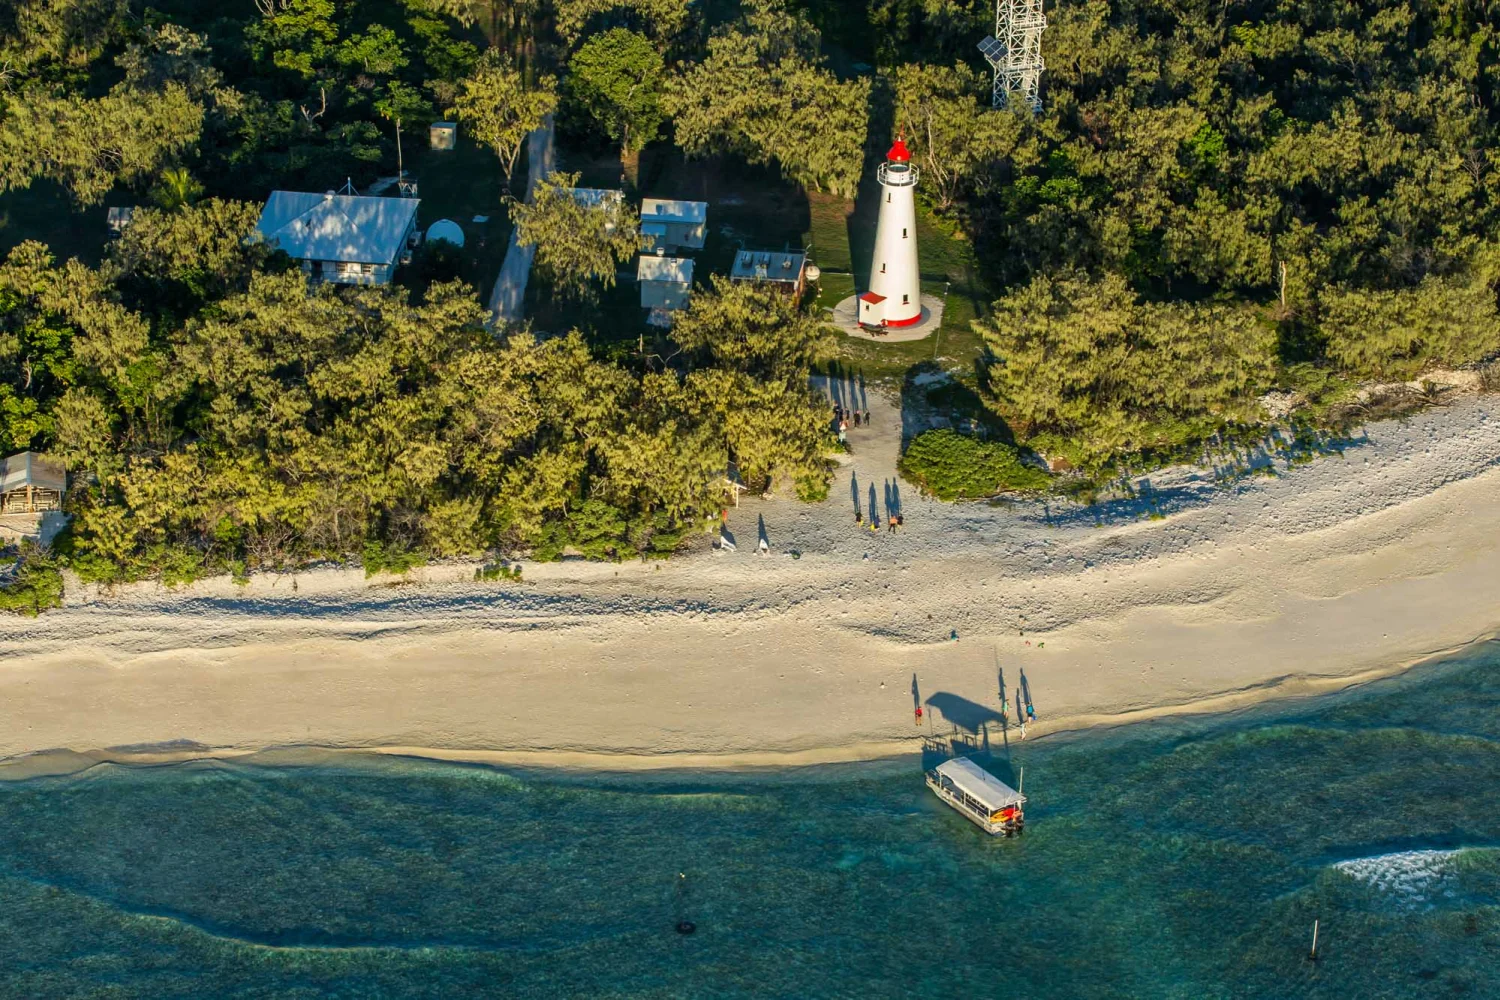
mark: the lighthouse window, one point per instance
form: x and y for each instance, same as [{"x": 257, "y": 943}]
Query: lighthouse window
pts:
[
  {"x": 882, "y": 268},
  {"x": 905, "y": 300},
  {"x": 888, "y": 197},
  {"x": 903, "y": 234}
]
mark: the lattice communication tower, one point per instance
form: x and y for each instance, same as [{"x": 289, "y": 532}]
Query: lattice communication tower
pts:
[{"x": 1015, "y": 51}]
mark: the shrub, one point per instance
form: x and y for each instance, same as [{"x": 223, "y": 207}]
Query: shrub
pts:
[
  {"x": 498, "y": 571},
  {"x": 36, "y": 584},
  {"x": 381, "y": 558},
  {"x": 953, "y": 466}
]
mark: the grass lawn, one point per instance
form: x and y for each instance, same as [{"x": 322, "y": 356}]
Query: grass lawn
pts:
[{"x": 843, "y": 233}]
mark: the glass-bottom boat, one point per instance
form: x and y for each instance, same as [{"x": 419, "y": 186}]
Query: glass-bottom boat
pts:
[{"x": 979, "y": 796}]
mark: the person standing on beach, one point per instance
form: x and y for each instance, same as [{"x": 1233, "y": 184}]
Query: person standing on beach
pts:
[
  {"x": 867, "y": 418},
  {"x": 856, "y": 418}
]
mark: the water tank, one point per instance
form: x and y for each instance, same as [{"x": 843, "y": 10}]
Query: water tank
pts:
[{"x": 446, "y": 229}]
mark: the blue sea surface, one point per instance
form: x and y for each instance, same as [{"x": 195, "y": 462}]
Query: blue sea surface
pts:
[{"x": 1185, "y": 859}]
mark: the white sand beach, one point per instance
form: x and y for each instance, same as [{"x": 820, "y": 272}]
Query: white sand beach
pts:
[{"x": 1342, "y": 569}]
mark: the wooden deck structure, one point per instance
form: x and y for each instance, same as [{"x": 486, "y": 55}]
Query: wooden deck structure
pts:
[{"x": 31, "y": 484}]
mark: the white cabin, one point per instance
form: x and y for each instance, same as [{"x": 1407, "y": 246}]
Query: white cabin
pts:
[
  {"x": 978, "y": 796},
  {"x": 348, "y": 239},
  {"x": 675, "y": 224},
  {"x": 599, "y": 198},
  {"x": 666, "y": 282}
]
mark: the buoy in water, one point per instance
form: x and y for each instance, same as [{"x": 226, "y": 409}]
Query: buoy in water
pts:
[{"x": 686, "y": 927}]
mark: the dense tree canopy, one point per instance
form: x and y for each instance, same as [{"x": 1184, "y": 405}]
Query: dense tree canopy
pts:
[
  {"x": 763, "y": 92},
  {"x": 615, "y": 80},
  {"x": 499, "y": 109},
  {"x": 1216, "y": 200},
  {"x": 1087, "y": 372},
  {"x": 578, "y": 242},
  {"x": 248, "y": 421}
]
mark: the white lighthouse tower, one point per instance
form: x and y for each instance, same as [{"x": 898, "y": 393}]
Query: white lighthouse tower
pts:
[{"x": 895, "y": 295}]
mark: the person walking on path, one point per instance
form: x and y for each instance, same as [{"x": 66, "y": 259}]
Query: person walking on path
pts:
[
  {"x": 856, "y": 418},
  {"x": 867, "y": 418}
]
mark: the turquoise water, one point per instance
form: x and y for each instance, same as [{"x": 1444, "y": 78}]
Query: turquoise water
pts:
[{"x": 1184, "y": 859}]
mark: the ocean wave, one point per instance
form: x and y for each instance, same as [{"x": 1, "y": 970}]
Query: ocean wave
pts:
[{"x": 1413, "y": 880}]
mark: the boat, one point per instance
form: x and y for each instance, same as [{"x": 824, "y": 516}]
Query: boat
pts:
[{"x": 979, "y": 796}]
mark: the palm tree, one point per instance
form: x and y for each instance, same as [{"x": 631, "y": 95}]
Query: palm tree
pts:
[{"x": 176, "y": 188}]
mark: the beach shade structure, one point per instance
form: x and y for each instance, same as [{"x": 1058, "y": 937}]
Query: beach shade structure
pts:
[
  {"x": 31, "y": 483},
  {"x": 446, "y": 230}
]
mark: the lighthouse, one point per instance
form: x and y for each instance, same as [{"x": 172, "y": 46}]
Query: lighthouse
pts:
[{"x": 894, "y": 298}]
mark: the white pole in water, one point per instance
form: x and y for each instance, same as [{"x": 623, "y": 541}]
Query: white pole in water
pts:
[
  {"x": 1021, "y": 782},
  {"x": 1314, "y": 954}
]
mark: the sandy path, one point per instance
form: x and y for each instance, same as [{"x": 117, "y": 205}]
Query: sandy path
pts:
[{"x": 1339, "y": 568}]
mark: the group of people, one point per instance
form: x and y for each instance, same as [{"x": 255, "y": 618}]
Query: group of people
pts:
[
  {"x": 892, "y": 522},
  {"x": 842, "y": 417}
]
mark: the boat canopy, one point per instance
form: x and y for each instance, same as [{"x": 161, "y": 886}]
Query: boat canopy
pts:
[{"x": 979, "y": 784}]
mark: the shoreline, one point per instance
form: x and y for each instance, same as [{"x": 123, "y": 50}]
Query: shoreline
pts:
[
  {"x": 1200, "y": 595},
  {"x": 68, "y": 762}
]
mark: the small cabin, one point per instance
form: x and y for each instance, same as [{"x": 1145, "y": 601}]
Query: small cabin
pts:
[
  {"x": 784, "y": 270},
  {"x": 978, "y": 796},
  {"x": 442, "y": 135},
  {"x": 598, "y": 198},
  {"x": 674, "y": 224},
  {"x": 666, "y": 282},
  {"x": 118, "y": 217},
  {"x": 31, "y": 484}
]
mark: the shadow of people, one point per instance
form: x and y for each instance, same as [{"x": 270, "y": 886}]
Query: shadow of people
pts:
[
  {"x": 763, "y": 540},
  {"x": 916, "y": 694},
  {"x": 873, "y": 507},
  {"x": 1026, "y": 691},
  {"x": 892, "y": 499},
  {"x": 854, "y": 491}
]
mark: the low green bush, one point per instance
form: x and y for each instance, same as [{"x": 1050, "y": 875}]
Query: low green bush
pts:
[
  {"x": 378, "y": 557},
  {"x": 35, "y": 586},
  {"x": 953, "y": 466}
]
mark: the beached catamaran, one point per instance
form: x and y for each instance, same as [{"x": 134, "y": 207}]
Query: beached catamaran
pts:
[{"x": 979, "y": 796}]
